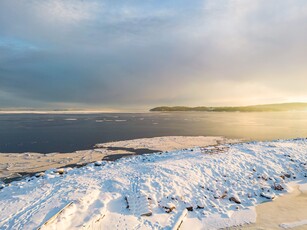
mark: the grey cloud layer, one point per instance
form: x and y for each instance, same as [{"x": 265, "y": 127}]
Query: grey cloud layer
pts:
[{"x": 137, "y": 53}]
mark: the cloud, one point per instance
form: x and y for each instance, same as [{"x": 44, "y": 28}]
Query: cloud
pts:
[
  {"x": 68, "y": 11},
  {"x": 143, "y": 53}
]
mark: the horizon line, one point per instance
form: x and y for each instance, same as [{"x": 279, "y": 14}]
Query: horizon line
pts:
[{"x": 96, "y": 111}]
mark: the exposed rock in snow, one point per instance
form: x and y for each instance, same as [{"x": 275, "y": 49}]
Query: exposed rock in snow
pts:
[
  {"x": 98, "y": 163},
  {"x": 60, "y": 171},
  {"x": 235, "y": 198},
  {"x": 40, "y": 174},
  {"x": 167, "y": 205},
  {"x": 267, "y": 195},
  {"x": 278, "y": 187}
]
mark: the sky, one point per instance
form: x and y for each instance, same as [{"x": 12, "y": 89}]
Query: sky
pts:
[{"x": 121, "y": 54}]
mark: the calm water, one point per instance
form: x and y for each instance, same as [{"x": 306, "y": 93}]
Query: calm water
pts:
[{"x": 65, "y": 133}]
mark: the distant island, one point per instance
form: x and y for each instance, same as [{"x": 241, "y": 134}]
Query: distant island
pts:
[{"x": 251, "y": 108}]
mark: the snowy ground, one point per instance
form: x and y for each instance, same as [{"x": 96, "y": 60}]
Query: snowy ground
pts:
[
  {"x": 168, "y": 143},
  {"x": 219, "y": 185},
  {"x": 12, "y": 164}
]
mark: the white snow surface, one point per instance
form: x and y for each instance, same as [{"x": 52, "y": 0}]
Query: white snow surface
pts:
[
  {"x": 198, "y": 178},
  {"x": 169, "y": 142}
]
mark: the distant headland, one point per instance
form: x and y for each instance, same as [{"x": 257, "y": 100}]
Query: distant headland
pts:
[{"x": 251, "y": 108}]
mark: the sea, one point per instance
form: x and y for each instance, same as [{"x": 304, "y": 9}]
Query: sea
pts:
[{"x": 47, "y": 133}]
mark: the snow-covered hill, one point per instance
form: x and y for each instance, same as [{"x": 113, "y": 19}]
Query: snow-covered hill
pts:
[{"x": 210, "y": 187}]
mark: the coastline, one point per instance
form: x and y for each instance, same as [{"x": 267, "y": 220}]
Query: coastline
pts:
[{"x": 19, "y": 165}]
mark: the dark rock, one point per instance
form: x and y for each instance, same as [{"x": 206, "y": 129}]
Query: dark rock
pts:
[
  {"x": 190, "y": 209},
  {"x": 98, "y": 163},
  {"x": 278, "y": 187},
  {"x": 126, "y": 199},
  {"x": 40, "y": 174},
  {"x": 235, "y": 199},
  {"x": 224, "y": 195},
  {"x": 169, "y": 209},
  {"x": 60, "y": 171},
  {"x": 287, "y": 175}
]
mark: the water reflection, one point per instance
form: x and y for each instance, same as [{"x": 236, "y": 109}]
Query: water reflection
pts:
[{"x": 66, "y": 133}]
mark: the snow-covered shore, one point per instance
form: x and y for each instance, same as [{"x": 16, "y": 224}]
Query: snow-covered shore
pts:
[
  {"x": 14, "y": 164},
  {"x": 219, "y": 185}
]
